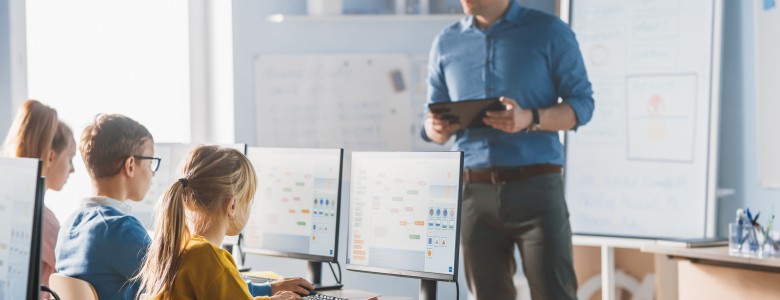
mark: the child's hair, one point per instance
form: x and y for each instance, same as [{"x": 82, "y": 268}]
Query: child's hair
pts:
[
  {"x": 108, "y": 141},
  {"x": 210, "y": 177},
  {"x": 62, "y": 137},
  {"x": 32, "y": 132}
]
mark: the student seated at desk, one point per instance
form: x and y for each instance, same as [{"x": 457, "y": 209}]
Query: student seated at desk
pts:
[
  {"x": 211, "y": 199},
  {"x": 37, "y": 133},
  {"x": 101, "y": 243}
]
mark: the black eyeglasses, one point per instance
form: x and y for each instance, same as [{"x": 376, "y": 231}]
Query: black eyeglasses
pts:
[{"x": 155, "y": 162}]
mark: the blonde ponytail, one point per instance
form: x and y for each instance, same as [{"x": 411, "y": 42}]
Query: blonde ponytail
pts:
[{"x": 210, "y": 177}]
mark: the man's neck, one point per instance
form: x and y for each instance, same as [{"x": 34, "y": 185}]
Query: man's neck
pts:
[{"x": 489, "y": 16}]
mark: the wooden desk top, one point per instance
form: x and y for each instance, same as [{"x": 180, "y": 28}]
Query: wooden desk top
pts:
[{"x": 716, "y": 255}]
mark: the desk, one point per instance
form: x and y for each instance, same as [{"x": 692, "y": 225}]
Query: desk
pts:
[
  {"x": 607, "y": 246},
  {"x": 711, "y": 273}
]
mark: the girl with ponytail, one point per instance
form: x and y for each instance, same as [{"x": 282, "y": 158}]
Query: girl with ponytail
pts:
[{"x": 211, "y": 199}]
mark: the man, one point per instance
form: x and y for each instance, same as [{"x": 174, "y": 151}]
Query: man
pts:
[{"x": 514, "y": 189}]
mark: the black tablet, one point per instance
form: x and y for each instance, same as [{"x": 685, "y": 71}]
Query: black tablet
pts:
[{"x": 468, "y": 113}]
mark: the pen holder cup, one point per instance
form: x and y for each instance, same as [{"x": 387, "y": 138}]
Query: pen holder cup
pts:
[{"x": 748, "y": 240}]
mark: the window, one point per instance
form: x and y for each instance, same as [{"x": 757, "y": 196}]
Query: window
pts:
[{"x": 124, "y": 56}]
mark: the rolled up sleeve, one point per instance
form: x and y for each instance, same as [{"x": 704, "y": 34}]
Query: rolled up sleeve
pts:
[{"x": 570, "y": 75}]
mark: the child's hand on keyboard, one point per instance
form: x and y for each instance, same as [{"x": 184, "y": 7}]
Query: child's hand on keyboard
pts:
[
  {"x": 295, "y": 285},
  {"x": 286, "y": 295}
]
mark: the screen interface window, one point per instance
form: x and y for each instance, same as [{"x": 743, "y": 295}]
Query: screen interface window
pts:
[
  {"x": 296, "y": 205},
  {"x": 403, "y": 211},
  {"x": 17, "y": 203}
]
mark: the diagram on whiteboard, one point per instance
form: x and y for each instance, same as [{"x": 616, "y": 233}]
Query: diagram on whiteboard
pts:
[
  {"x": 662, "y": 113},
  {"x": 360, "y": 102}
]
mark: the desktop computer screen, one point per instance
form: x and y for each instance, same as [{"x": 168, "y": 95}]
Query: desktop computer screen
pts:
[
  {"x": 21, "y": 202},
  {"x": 296, "y": 208},
  {"x": 173, "y": 155},
  {"x": 404, "y": 214}
]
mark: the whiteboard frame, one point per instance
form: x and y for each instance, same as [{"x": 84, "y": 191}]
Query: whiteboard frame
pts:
[{"x": 711, "y": 211}]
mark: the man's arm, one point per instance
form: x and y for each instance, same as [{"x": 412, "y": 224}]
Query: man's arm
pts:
[
  {"x": 515, "y": 119},
  {"x": 438, "y": 130},
  {"x": 571, "y": 81},
  {"x": 435, "y": 129}
]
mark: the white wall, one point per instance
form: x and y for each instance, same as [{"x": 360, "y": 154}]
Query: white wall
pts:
[
  {"x": 13, "y": 60},
  {"x": 5, "y": 67},
  {"x": 739, "y": 138}
]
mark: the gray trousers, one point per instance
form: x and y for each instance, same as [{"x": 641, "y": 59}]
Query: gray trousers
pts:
[{"x": 530, "y": 214}]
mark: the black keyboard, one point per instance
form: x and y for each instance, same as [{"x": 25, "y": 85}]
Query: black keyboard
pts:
[{"x": 322, "y": 297}]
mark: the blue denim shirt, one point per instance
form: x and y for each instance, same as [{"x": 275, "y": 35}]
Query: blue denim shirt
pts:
[
  {"x": 104, "y": 246},
  {"x": 527, "y": 55}
]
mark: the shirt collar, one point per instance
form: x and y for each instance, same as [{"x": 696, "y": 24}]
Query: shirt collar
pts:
[
  {"x": 513, "y": 14},
  {"x": 105, "y": 201}
]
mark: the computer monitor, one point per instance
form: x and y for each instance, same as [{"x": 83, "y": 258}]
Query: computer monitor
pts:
[
  {"x": 21, "y": 206},
  {"x": 173, "y": 155},
  {"x": 295, "y": 212},
  {"x": 404, "y": 215}
]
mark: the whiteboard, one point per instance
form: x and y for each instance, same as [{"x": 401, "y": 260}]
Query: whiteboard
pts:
[
  {"x": 767, "y": 28},
  {"x": 173, "y": 156},
  {"x": 645, "y": 165},
  {"x": 332, "y": 101}
]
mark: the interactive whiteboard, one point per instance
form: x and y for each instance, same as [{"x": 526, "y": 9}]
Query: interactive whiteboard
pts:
[{"x": 645, "y": 166}]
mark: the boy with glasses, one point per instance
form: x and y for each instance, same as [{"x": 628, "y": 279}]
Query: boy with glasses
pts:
[{"x": 101, "y": 243}]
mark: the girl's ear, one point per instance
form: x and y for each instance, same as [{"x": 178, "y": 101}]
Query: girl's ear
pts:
[
  {"x": 232, "y": 208},
  {"x": 52, "y": 156},
  {"x": 50, "y": 159}
]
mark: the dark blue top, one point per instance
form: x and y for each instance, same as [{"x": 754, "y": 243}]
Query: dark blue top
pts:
[
  {"x": 527, "y": 55},
  {"x": 105, "y": 247}
]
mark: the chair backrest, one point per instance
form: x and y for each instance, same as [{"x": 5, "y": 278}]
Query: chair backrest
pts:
[{"x": 71, "y": 288}]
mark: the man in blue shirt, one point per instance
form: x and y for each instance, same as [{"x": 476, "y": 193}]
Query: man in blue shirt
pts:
[{"x": 514, "y": 188}]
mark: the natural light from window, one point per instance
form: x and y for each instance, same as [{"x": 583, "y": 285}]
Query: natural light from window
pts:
[{"x": 123, "y": 56}]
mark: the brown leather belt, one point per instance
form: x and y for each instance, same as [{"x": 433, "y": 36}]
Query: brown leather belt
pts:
[{"x": 504, "y": 175}]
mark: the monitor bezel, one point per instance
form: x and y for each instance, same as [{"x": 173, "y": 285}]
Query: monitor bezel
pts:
[
  {"x": 34, "y": 264},
  {"x": 307, "y": 256},
  {"x": 410, "y": 273}
]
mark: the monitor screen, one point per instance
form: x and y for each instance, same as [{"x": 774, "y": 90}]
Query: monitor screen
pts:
[
  {"x": 296, "y": 208},
  {"x": 20, "y": 230},
  {"x": 404, "y": 213},
  {"x": 173, "y": 155}
]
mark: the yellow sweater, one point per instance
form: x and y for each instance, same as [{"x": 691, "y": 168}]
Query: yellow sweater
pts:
[{"x": 208, "y": 272}]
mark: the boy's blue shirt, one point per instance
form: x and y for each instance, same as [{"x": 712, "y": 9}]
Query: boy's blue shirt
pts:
[{"x": 103, "y": 245}]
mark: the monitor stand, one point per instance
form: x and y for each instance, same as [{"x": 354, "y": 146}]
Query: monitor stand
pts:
[
  {"x": 427, "y": 289},
  {"x": 314, "y": 273}
]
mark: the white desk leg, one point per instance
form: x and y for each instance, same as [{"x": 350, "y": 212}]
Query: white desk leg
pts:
[{"x": 607, "y": 273}]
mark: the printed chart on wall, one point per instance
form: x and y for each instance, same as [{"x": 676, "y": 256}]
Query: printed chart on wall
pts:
[{"x": 649, "y": 146}]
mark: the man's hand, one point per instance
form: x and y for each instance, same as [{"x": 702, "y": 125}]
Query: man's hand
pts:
[
  {"x": 286, "y": 296},
  {"x": 296, "y": 285},
  {"x": 513, "y": 119},
  {"x": 438, "y": 129}
]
